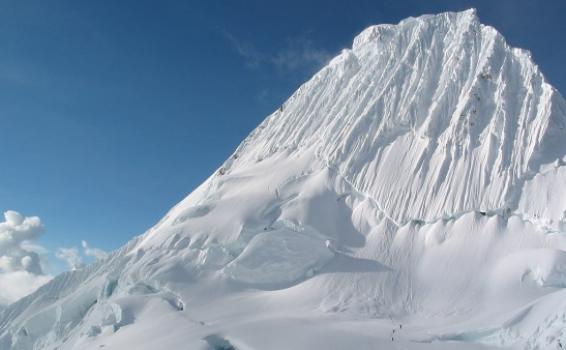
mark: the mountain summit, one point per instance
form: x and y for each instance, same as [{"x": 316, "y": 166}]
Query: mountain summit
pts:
[{"x": 409, "y": 195}]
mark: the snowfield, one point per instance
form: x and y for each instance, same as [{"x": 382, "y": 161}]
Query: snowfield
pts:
[{"x": 411, "y": 195}]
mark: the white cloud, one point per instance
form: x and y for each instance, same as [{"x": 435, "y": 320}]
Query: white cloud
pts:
[
  {"x": 96, "y": 253},
  {"x": 75, "y": 258},
  {"x": 71, "y": 256},
  {"x": 21, "y": 271},
  {"x": 19, "y": 284},
  {"x": 15, "y": 231},
  {"x": 252, "y": 56},
  {"x": 299, "y": 53}
]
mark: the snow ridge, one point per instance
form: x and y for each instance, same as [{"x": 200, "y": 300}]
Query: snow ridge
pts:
[
  {"x": 413, "y": 183},
  {"x": 462, "y": 117}
]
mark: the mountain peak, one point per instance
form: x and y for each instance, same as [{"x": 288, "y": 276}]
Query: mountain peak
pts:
[
  {"x": 417, "y": 181},
  {"x": 379, "y": 32},
  {"x": 442, "y": 99}
]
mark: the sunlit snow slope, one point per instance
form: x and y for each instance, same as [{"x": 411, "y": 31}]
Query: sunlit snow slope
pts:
[{"x": 411, "y": 195}]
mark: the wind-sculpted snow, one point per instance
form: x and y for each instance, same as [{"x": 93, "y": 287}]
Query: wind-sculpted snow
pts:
[
  {"x": 432, "y": 117},
  {"x": 409, "y": 196}
]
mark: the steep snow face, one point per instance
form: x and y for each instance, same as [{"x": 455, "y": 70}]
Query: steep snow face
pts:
[
  {"x": 415, "y": 183},
  {"x": 432, "y": 117}
]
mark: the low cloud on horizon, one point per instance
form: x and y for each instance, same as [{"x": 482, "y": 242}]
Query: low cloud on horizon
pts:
[
  {"x": 21, "y": 268},
  {"x": 23, "y": 259}
]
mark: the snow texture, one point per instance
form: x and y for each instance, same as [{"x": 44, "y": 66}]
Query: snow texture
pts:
[{"x": 409, "y": 196}]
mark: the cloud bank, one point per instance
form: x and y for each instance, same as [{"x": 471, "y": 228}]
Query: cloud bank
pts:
[
  {"x": 21, "y": 257},
  {"x": 21, "y": 271}
]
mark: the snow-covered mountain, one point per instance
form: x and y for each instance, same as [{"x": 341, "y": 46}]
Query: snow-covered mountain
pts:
[{"x": 411, "y": 195}]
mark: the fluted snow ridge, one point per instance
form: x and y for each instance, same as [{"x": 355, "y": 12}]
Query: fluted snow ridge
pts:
[{"x": 433, "y": 116}]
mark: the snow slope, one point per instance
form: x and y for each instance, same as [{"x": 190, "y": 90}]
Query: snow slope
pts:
[{"x": 411, "y": 195}]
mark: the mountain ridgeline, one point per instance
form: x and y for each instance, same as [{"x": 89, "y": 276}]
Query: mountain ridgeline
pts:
[{"x": 412, "y": 192}]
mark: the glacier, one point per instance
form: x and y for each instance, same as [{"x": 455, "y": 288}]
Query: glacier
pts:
[{"x": 410, "y": 195}]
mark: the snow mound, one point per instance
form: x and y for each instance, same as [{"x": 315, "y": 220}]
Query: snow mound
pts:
[
  {"x": 541, "y": 267},
  {"x": 279, "y": 257}
]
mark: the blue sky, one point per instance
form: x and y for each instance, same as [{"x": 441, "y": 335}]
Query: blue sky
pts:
[{"x": 112, "y": 111}]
